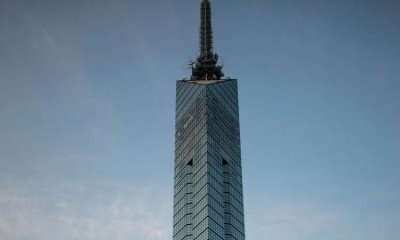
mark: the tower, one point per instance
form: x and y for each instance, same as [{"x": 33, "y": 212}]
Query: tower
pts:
[{"x": 208, "y": 192}]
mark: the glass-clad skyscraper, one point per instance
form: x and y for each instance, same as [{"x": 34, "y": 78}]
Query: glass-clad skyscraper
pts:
[{"x": 208, "y": 192}]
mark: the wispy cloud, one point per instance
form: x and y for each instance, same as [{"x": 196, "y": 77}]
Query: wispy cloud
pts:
[
  {"x": 295, "y": 220},
  {"x": 122, "y": 215},
  {"x": 17, "y": 212}
]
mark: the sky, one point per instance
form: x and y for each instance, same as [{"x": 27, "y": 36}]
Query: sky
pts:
[{"x": 87, "y": 101}]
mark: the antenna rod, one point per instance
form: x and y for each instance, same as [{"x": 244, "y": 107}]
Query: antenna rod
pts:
[
  {"x": 206, "y": 35},
  {"x": 205, "y": 67}
]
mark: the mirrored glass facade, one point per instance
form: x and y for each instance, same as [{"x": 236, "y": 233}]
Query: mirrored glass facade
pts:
[{"x": 208, "y": 192}]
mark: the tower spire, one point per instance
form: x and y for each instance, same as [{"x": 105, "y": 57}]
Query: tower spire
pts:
[
  {"x": 205, "y": 67},
  {"x": 205, "y": 28}
]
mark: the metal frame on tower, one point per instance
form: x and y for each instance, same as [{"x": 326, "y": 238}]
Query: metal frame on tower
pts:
[{"x": 205, "y": 67}]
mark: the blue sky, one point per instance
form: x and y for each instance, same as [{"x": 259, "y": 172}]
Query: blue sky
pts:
[{"x": 87, "y": 98}]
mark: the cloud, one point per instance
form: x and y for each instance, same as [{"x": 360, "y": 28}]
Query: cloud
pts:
[
  {"x": 133, "y": 214},
  {"x": 292, "y": 221},
  {"x": 61, "y": 204},
  {"x": 16, "y": 212}
]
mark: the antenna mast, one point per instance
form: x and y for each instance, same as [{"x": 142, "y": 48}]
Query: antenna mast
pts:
[
  {"x": 205, "y": 67},
  {"x": 205, "y": 29}
]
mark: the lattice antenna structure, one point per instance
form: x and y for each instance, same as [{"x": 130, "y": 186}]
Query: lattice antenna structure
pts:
[
  {"x": 205, "y": 67},
  {"x": 206, "y": 35}
]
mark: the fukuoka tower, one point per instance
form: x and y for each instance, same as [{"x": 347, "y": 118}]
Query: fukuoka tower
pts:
[{"x": 208, "y": 190}]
